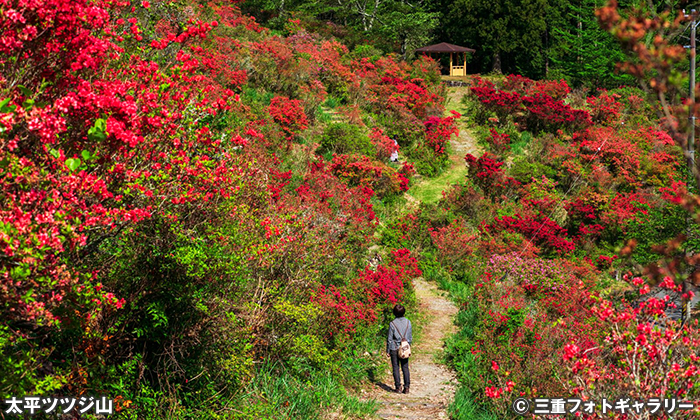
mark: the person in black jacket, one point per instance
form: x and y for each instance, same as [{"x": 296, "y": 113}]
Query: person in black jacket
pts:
[{"x": 399, "y": 328}]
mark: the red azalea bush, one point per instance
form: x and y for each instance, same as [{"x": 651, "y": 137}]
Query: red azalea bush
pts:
[
  {"x": 542, "y": 231},
  {"x": 405, "y": 264},
  {"x": 289, "y": 114},
  {"x": 640, "y": 354},
  {"x": 342, "y": 316},
  {"x": 537, "y": 106},
  {"x": 486, "y": 172},
  {"x": 500, "y": 142},
  {"x": 383, "y": 285},
  {"x": 80, "y": 137},
  {"x": 557, "y": 89},
  {"x": 363, "y": 171},
  {"x": 502, "y": 103},
  {"x": 518, "y": 83},
  {"x": 452, "y": 242},
  {"x": 439, "y": 130},
  {"x": 528, "y": 309},
  {"x": 547, "y": 114},
  {"x": 386, "y": 147},
  {"x": 357, "y": 306},
  {"x": 605, "y": 108},
  {"x": 411, "y": 94},
  {"x": 534, "y": 309}
]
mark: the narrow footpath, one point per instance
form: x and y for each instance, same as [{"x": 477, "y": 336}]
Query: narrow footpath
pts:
[{"x": 432, "y": 384}]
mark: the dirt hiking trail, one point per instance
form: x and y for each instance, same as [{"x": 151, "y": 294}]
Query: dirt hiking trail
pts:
[
  {"x": 465, "y": 142},
  {"x": 432, "y": 384},
  {"x": 429, "y": 190}
]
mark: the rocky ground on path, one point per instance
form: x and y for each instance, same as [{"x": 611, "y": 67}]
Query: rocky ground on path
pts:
[{"x": 432, "y": 384}]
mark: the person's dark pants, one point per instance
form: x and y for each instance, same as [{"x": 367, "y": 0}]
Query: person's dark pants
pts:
[{"x": 395, "y": 361}]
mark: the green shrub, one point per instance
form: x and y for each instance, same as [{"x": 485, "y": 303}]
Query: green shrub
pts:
[
  {"x": 344, "y": 138},
  {"x": 656, "y": 227},
  {"x": 524, "y": 169},
  {"x": 520, "y": 142},
  {"x": 366, "y": 51},
  {"x": 428, "y": 163}
]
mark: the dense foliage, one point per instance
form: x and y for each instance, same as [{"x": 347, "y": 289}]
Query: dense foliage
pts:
[
  {"x": 181, "y": 222},
  {"x": 577, "y": 207},
  {"x": 189, "y": 200},
  {"x": 536, "y": 38}
]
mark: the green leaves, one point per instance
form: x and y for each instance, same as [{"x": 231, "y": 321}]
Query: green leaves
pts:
[
  {"x": 73, "y": 164},
  {"x": 98, "y": 132},
  {"x": 88, "y": 156},
  {"x": 26, "y": 92},
  {"x": 5, "y": 106}
]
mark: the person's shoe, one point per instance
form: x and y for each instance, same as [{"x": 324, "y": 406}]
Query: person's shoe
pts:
[
  {"x": 405, "y": 390},
  {"x": 399, "y": 389}
]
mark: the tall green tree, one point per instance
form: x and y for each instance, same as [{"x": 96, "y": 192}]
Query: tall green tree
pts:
[
  {"x": 509, "y": 35},
  {"x": 407, "y": 25},
  {"x": 411, "y": 26},
  {"x": 585, "y": 53}
]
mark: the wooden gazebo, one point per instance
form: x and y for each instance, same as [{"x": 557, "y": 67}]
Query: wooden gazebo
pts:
[{"x": 444, "y": 47}]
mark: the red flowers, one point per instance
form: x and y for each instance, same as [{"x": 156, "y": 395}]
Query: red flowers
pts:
[
  {"x": 288, "y": 114},
  {"x": 537, "y": 105},
  {"x": 542, "y": 231},
  {"x": 487, "y": 173},
  {"x": 500, "y": 142},
  {"x": 545, "y": 113},
  {"x": 605, "y": 108},
  {"x": 439, "y": 130},
  {"x": 360, "y": 170},
  {"x": 357, "y": 306}
]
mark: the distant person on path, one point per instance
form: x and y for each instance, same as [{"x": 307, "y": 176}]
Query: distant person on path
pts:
[
  {"x": 395, "y": 155},
  {"x": 400, "y": 328}
]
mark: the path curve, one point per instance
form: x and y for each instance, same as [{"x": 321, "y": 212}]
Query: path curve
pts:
[
  {"x": 430, "y": 189},
  {"x": 432, "y": 384}
]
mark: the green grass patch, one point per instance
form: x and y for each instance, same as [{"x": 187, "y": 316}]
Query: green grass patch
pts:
[
  {"x": 332, "y": 102},
  {"x": 275, "y": 393},
  {"x": 521, "y": 143},
  {"x": 465, "y": 407},
  {"x": 323, "y": 116},
  {"x": 429, "y": 190}
]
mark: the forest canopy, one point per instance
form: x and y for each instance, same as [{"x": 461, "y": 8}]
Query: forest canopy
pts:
[{"x": 535, "y": 38}]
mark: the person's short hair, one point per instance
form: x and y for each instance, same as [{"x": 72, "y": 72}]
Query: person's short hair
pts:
[{"x": 399, "y": 311}]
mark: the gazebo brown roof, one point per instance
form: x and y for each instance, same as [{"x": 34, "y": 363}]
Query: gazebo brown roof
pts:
[{"x": 444, "y": 47}]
